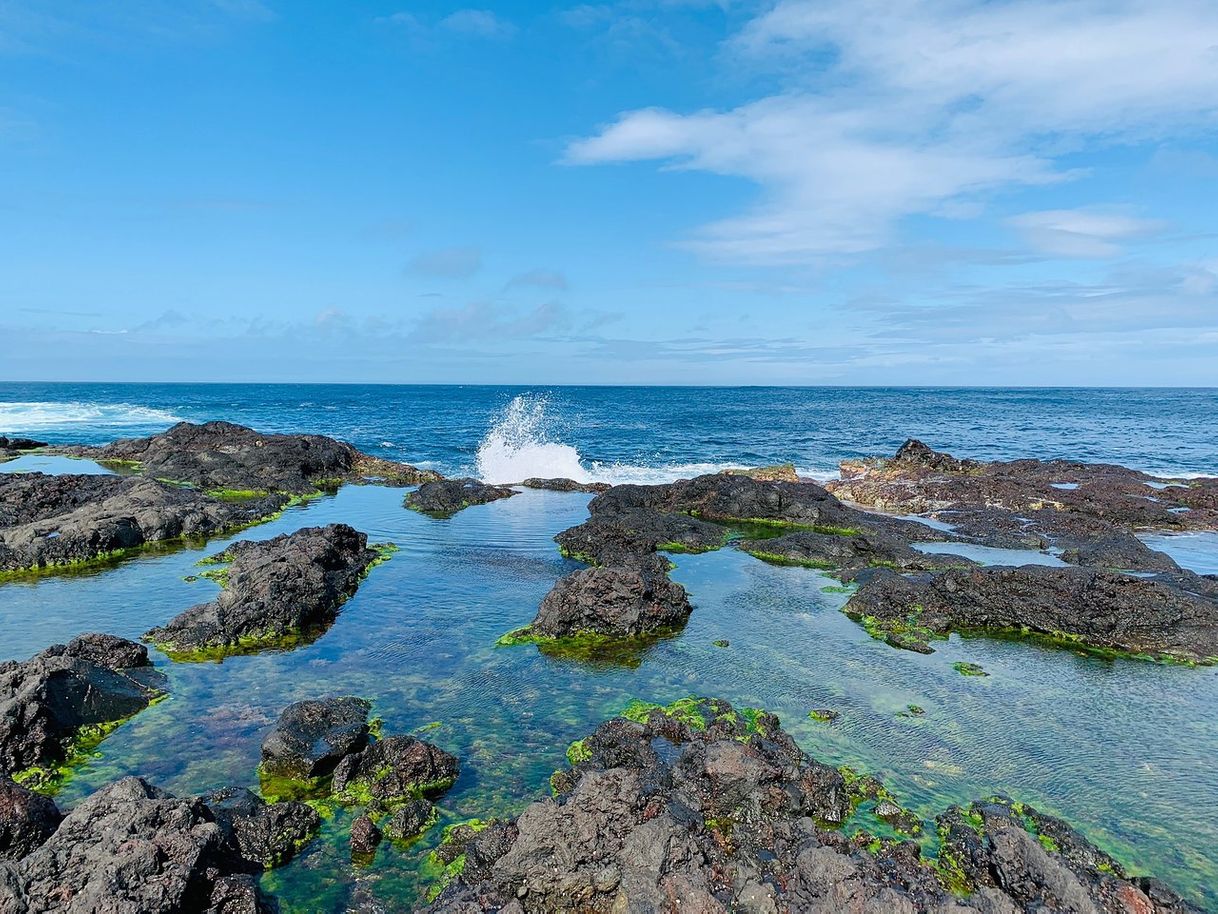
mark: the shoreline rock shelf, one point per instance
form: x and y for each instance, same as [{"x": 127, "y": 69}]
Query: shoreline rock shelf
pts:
[
  {"x": 444, "y": 498},
  {"x": 714, "y": 808},
  {"x": 277, "y": 593}
]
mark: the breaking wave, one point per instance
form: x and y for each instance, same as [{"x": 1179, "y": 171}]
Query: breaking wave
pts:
[{"x": 36, "y": 416}]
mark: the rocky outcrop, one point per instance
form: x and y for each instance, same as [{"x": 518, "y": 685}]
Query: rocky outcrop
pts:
[
  {"x": 276, "y": 593},
  {"x": 221, "y": 456},
  {"x": 779, "y": 472},
  {"x": 1030, "y": 502},
  {"x": 1087, "y": 606},
  {"x": 67, "y": 696},
  {"x": 848, "y": 555},
  {"x": 448, "y": 496},
  {"x": 26, "y": 820},
  {"x": 311, "y": 737},
  {"x": 64, "y": 520},
  {"x": 704, "y": 807},
  {"x": 133, "y": 849},
  {"x": 614, "y": 601},
  {"x": 619, "y": 537},
  {"x": 394, "y": 770},
  {"x": 13, "y": 447},
  {"x": 563, "y": 484}
]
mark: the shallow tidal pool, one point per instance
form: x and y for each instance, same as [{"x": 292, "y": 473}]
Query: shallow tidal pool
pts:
[{"x": 1123, "y": 749}]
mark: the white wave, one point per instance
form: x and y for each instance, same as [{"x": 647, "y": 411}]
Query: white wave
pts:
[
  {"x": 520, "y": 446},
  {"x": 25, "y": 417}
]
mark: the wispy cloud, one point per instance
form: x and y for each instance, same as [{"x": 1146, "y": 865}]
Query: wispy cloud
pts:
[
  {"x": 473, "y": 23},
  {"x": 541, "y": 279},
  {"x": 1081, "y": 232},
  {"x": 448, "y": 263},
  {"x": 894, "y": 108}
]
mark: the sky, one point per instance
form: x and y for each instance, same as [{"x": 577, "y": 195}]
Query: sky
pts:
[{"x": 861, "y": 192}]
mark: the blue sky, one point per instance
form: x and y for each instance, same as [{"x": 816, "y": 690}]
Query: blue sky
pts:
[{"x": 650, "y": 191}]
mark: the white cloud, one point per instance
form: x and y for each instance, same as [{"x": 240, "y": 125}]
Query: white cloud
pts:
[
  {"x": 902, "y": 107},
  {"x": 474, "y": 23},
  {"x": 1081, "y": 232}
]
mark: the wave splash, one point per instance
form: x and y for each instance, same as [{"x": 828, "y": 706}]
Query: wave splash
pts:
[
  {"x": 518, "y": 447},
  {"x": 39, "y": 415}
]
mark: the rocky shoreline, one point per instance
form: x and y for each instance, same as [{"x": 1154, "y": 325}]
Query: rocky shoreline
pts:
[{"x": 693, "y": 806}]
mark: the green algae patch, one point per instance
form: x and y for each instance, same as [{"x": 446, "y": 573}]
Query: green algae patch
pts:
[
  {"x": 721, "y": 642},
  {"x": 242, "y": 647},
  {"x": 908, "y": 633},
  {"x": 578, "y": 752},
  {"x": 687, "y": 710},
  {"x": 968, "y": 668},
  {"x": 775, "y": 558},
  {"x": 590, "y": 647},
  {"x": 823, "y": 715}
]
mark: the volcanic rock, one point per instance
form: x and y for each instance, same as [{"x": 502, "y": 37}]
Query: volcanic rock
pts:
[
  {"x": 311, "y": 737},
  {"x": 448, "y": 496}
]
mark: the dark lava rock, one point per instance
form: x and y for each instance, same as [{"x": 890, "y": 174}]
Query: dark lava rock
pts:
[
  {"x": 706, "y": 808},
  {"x": 849, "y": 554},
  {"x": 26, "y": 820},
  {"x": 566, "y": 485},
  {"x": 612, "y": 537},
  {"x": 1096, "y": 608},
  {"x": 311, "y": 737},
  {"x": 1054, "y": 499},
  {"x": 48, "y": 521},
  {"x": 224, "y": 456},
  {"x": 20, "y": 444},
  {"x": 614, "y": 601},
  {"x": 47, "y": 701},
  {"x": 131, "y": 849},
  {"x": 394, "y": 770},
  {"x": 276, "y": 591},
  {"x": 448, "y": 496},
  {"x": 1117, "y": 551},
  {"x": 365, "y": 836},
  {"x": 410, "y": 820},
  {"x": 262, "y": 835}
]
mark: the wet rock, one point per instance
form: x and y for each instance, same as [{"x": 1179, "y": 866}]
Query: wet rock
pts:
[
  {"x": 1118, "y": 551},
  {"x": 131, "y": 849},
  {"x": 62, "y": 520},
  {"x": 262, "y": 835},
  {"x": 394, "y": 770},
  {"x": 612, "y": 537},
  {"x": 705, "y": 807},
  {"x": 26, "y": 820},
  {"x": 619, "y": 602},
  {"x": 410, "y": 820},
  {"x": 233, "y": 458},
  {"x": 365, "y": 836},
  {"x": 68, "y": 693},
  {"x": 20, "y": 444},
  {"x": 1054, "y": 499},
  {"x": 849, "y": 554},
  {"x": 448, "y": 496},
  {"x": 312, "y": 736},
  {"x": 781, "y": 472},
  {"x": 275, "y": 592},
  {"x": 566, "y": 485},
  {"x": 1091, "y": 607}
]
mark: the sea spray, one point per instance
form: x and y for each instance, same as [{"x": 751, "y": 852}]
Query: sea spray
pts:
[{"x": 518, "y": 447}]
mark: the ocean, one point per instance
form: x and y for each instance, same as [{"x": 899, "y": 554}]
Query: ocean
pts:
[{"x": 1121, "y": 748}]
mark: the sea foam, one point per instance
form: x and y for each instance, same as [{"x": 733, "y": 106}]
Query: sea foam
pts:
[{"x": 40, "y": 415}]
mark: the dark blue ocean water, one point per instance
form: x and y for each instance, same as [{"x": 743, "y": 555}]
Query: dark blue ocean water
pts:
[{"x": 652, "y": 433}]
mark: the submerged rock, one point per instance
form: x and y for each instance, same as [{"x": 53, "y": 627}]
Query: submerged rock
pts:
[
  {"x": 235, "y": 459},
  {"x": 849, "y": 554},
  {"x": 132, "y": 849},
  {"x": 26, "y": 820},
  {"x": 275, "y": 592},
  {"x": 1095, "y": 608},
  {"x": 63, "y": 520},
  {"x": 704, "y": 807},
  {"x": 68, "y": 695},
  {"x": 311, "y": 737},
  {"x": 619, "y": 602},
  {"x": 365, "y": 836},
  {"x": 394, "y": 770},
  {"x": 448, "y": 496},
  {"x": 410, "y": 819}
]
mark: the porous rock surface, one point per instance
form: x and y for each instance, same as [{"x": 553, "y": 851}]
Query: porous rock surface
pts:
[
  {"x": 26, "y": 820},
  {"x": 446, "y": 497},
  {"x": 312, "y": 736},
  {"x": 394, "y": 770},
  {"x": 1098, "y": 608},
  {"x": 715, "y": 810},
  {"x": 56, "y": 520},
  {"x": 92, "y": 681},
  {"x": 283, "y": 588},
  {"x": 562, "y": 484},
  {"x": 131, "y": 848},
  {"x": 223, "y": 455}
]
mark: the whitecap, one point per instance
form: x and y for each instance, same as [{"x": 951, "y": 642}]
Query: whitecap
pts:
[{"x": 40, "y": 415}]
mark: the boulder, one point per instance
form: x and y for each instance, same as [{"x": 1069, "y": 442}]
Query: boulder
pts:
[
  {"x": 261, "y": 835},
  {"x": 276, "y": 593},
  {"x": 62, "y": 520},
  {"x": 448, "y": 496},
  {"x": 26, "y": 820},
  {"x": 394, "y": 770},
  {"x": 67, "y": 694},
  {"x": 222, "y": 456},
  {"x": 410, "y": 819},
  {"x": 311, "y": 737},
  {"x": 566, "y": 485},
  {"x": 704, "y": 807},
  {"x": 1084, "y": 606},
  {"x": 365, "y": 836}
]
